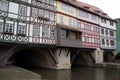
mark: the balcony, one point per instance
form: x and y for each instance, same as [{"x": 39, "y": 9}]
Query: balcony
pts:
[{"x": 68, "y": 37}]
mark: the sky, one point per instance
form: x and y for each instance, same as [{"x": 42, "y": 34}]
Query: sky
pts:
[{"x": 111, "y": 7}]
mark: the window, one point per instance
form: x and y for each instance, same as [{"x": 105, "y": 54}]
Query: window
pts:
[
  {"x": 102, "y": 31},
  {"x": 103, "y": 41},
  {"x": 1, "y": 27},
  {"x": 93, "y": 40},
  {"x": 79, "y": 24},
  {"x": 87, "y": 27},
  {"x": 9, "y": 28},
  {"x": 103, "y": 20},
  {"x": 72, "y": 22},
  {"x": 86, "y": 39},
  {"x": 96, "y": 29},
  {"x": 22, "y": 30},
  {"x": 52, "y": 2},
  {"x": 106, "y": 32},
  {"x": 112, "y": 43},
  {"x": 107, "y": 42},
  {"x": 67, "y": 33},
  {"x": 61, "y": 19},
  {"x": 36, "y": 30},
  {"x": 83, "y": 14},
  {"x": 40, "y": 13},
  {"x": 34, "y": 12},
  {"x": 45, "y": 32},
  {"x": 46, "y": 14},
  {"x": 52, "y": 33},
  {"x": 22, "y": 10},
  {"x": 93, "y": 17},
  {"x": 111, "y": 33},
  {"x": 4, "y": 5},
  {"x": 67, "y": 8},
  {"x": 78, "y": 35},
  {"x": 52, "y": 18},
  {"x": 111, "y": 23},
  {"x": 47, "y": 1},
  {"x": 97, "y": 41},
  {"x": 63, "y": 6}
]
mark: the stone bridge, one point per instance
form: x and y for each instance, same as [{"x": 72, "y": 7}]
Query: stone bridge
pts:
[{"x": 51, "y": 56}]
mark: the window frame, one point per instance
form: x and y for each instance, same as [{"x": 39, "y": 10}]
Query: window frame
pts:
[
  {"x": 46, "y": 31},
  {"x": 36, "y": 30},
  {"x": 9, "y": 28},
  {"x": 34, "y": 12},
  {"x": 22, "y": 10},
  {"x": 103, "y": 41},
  {"x": 4, "y": 4},
  {"x": 61, "y": 19},
  {"x": 21, "y": 30}
]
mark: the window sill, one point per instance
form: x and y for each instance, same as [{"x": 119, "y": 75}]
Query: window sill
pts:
[
  {"x": 21, "y": 35},
  {"x": 10, "y": 33}
]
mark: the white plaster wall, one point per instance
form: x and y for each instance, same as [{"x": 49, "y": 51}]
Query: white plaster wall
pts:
[
  {"x": 13, "y": 8},
  {"x": 30, "y": 30},
  {"x": 28, "y": 13},
  {"x": 29, "y": 1},
  {"x": 27, "y": 31},
  {"x": 15, "y": 28},
  {"x": 1, "y": 20},
  {"x": 107, "y": 24}
]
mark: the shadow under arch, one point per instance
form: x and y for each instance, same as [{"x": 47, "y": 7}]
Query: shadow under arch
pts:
[{"x": 31, "y": 57}]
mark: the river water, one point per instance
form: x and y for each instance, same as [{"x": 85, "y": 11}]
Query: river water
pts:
[{"x": 79, "y": 73}]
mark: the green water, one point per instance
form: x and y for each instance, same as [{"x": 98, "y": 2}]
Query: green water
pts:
[{"x": 79, "y": 73}]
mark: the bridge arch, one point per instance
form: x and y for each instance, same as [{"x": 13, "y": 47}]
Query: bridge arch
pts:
[{"x": 23, "y": 57}]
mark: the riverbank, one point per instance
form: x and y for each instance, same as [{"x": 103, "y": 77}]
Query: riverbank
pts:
[
  {"x": 115, "y": 64},
  {"x": 16, "y": 73}
]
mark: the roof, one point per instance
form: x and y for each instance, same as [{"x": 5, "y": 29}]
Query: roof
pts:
[{"x": 89, "y": 7}]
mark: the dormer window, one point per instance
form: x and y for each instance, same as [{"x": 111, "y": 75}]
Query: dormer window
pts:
[
  {"x": 104, "y": 14},
  {"x": 97, "y": 11},
  {"x": 86, "y": 7}
]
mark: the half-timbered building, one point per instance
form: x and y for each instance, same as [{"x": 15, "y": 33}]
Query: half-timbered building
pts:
[{"x": 27, "y": 21}]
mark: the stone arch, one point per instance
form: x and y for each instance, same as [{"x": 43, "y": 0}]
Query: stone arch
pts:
[
  {"x": 108, "y": 56},
  {"x": 39, "y": 57}
]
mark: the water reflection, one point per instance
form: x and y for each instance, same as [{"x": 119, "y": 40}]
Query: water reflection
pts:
[{"x": 80, "y": 73}]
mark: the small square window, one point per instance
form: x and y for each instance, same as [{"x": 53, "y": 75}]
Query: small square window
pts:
[{"x": 9, "y": 28}]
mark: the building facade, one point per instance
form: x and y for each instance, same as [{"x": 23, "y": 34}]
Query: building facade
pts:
[
  {"x": 89, "y": 26},
  {"x": 107, "y": 33},
  {"x": 77, "y": 30},
  {"x": 95, "y": 29},
  {"x": 68, "y": 33},
  {"x": 79, "y": 19},
  {"x": 27, "y": 21}
]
